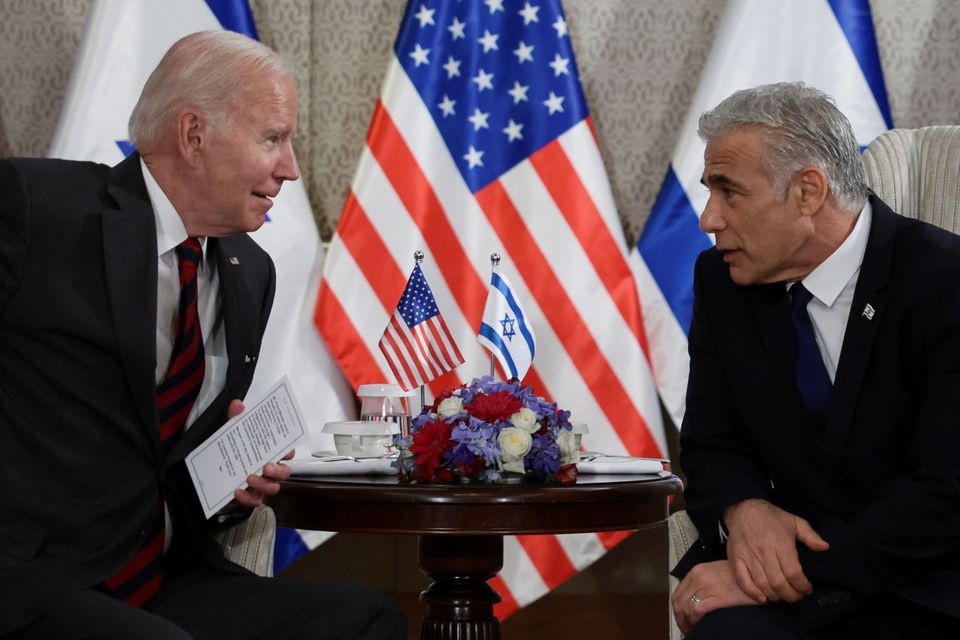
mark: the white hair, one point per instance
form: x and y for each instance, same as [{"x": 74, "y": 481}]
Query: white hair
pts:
[
  {"x": 206, "y": 70},
  {"x": 801, "y": 126}
]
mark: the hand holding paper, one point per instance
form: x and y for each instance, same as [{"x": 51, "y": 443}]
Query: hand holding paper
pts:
[
  {"x": 247, "y": 445},
  {"x": 267, "y": 483}
]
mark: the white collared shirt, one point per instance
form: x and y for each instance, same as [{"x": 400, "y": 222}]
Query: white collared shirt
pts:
[
  {"x": 170, "y": 233},
  {"x": 832, "y": 284}
]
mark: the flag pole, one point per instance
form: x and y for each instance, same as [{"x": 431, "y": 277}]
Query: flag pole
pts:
[
  {"x": 494, "y": 262},
  {"x": 418, "y": 259}
]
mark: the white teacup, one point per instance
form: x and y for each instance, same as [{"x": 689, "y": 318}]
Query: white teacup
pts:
[{"x": 362, "y": 439}]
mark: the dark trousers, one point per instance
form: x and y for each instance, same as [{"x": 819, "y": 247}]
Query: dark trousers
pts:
[
  {"x": 885, "y": 618},
  {"x": 208, "y": 604}
]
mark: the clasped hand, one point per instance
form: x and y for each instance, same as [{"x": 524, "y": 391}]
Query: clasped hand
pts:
[
  {"x": 259, "y": 487},
  {"x": 762, "y": 564},
  {"x": 762, "y": 550}
]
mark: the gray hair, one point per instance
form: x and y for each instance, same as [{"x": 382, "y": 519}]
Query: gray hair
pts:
[
  {"x": 801, "y": 126},
  {"x": 206, "y": 70}
]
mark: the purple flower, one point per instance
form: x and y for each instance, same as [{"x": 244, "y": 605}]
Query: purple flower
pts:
[{"x": 476, "y": 453}]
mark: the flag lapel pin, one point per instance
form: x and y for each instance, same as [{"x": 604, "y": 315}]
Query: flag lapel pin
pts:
[{"x": 868, "y": 311}]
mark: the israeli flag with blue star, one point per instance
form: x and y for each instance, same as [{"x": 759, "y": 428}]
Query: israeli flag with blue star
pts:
[{"x": 504, "y": 330}]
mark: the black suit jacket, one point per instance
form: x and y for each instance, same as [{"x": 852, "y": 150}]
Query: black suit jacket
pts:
[
  {"x": 880, "y": 480},
  {"x": 82, "y": 465}
]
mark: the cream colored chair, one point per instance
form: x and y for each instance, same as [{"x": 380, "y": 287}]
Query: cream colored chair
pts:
[
  {"x": 682, "y": 535},
  {"x": 917, "y": 173},
  {"x": 250, "y": 543}
]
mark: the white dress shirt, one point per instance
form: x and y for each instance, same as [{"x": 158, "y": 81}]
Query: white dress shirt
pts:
[
  {"x": 832, "y": 284},
  {"x": 170, "y": 233}
]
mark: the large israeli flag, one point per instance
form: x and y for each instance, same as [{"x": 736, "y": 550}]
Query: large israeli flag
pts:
[
  {"x": 828, "y": 44},
  {"x": 122, "y": 43}
]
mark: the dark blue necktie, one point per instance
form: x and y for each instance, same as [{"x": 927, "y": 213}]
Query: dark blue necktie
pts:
[{"x": 812, "y": 376}]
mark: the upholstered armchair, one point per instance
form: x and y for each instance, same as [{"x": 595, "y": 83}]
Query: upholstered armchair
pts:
[
  {"x": 917, "y": 173},
  {"x": 250, "y": 543}
]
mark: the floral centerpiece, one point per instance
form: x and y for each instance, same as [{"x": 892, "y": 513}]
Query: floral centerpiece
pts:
[{"x": 487, "y": 431}]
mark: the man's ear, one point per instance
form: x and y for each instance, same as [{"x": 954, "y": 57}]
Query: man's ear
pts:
[
  {"x": 813, "y": 190},
  {"x": 192, "y": 134}
]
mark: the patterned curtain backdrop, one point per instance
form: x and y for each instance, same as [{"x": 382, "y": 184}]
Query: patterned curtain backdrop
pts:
[{"x": 640, "y": 62}]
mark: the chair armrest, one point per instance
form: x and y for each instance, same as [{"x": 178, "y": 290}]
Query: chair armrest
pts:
[
  {"x": 250, "y": 543},
  {"x": 682, "y": 534}
]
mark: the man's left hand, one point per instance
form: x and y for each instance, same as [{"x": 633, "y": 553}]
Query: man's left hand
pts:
[{"x": 259, "y": 487}]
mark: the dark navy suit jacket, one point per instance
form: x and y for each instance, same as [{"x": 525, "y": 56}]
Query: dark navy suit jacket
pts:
[
  {"x": 879, "y": 479},
  {"x": 82, "y": 464}
]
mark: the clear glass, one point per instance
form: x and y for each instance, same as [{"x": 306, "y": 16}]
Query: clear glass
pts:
[{"x": 388, "y": 403}]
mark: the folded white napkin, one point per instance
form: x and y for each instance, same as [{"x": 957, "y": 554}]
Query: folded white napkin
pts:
[
  {"x": 341, "y": 466},
  {"x": 619, "y": 464}
]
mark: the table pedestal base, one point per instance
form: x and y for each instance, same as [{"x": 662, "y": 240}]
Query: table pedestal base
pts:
[{"x": 460, "y": 602}]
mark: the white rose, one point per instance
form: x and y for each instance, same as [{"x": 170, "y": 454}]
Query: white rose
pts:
[
  {"x": 515, "y": 466},
  {"x": 525, "y": 420},
  {"x": 569, "y": 451},
  {"x": 514, "y": 444},
  {"x": 450, "y": 407}
]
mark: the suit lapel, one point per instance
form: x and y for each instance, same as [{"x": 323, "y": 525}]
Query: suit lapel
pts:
[
  {"x": 130, "y": 249},
  {"x": 866, "y": 314},
  {"x": 241, "y": 313},
  {"x": 771, "y": 313}
]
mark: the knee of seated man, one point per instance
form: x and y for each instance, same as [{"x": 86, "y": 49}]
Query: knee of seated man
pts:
[
  {"x": 763, "y": 622},
  {"x": 374, "y": 615},
  {"x": 387, "y": 620}
]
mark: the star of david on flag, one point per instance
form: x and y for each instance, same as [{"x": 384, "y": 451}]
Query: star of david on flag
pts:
[
  {"x": 504, "y": 329},
  {"x": 416, "y": 342}
]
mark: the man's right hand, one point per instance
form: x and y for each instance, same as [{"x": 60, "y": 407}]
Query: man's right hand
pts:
[
  {"x": 707, "y": 587},
  {"x": 762, "y": 550}
]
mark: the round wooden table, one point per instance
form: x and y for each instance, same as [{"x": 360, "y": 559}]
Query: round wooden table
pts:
[{"x": 461, "y": 528}]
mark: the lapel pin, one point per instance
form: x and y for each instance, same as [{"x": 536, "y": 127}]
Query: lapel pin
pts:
[
  {"x": 868, "y": 312},
  {"x": 234, "y": 260},
  {"x": 249, "y": 358}
]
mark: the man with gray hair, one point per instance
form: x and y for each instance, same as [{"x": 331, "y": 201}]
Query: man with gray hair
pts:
[
  {"x": 132, "y": 309},
  {"x": 821, "y": 440}
]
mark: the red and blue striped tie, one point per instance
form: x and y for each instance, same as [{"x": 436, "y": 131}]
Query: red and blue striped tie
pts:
[{"x": 140, "y": 579}]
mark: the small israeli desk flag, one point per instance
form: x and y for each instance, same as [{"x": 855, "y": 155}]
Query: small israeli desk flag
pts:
[{"x": 504, "y": 330}]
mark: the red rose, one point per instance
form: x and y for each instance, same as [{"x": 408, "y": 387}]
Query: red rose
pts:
[
  {"x": 429, "y": 445},
  {"x": 440, "y": 475},
  {"x": 493, "y": 407},
  {"x": 567, "y": 474},
  {"x": 474, "y": 468}
]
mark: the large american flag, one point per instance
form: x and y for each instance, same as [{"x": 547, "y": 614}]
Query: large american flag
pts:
[{"x": 481, "y": 142}]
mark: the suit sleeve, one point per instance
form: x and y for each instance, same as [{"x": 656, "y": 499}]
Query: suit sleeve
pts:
[
  {"x": 717, "y": 455},
  {"x": 14, "y": 229}
]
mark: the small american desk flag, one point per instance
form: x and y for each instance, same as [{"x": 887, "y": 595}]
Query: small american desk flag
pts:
[{"x": 416, "y": 343}]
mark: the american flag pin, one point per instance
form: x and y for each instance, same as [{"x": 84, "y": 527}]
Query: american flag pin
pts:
[
  {"x": 234, "y": 260},
  {"x": 868, "y": 311}
]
